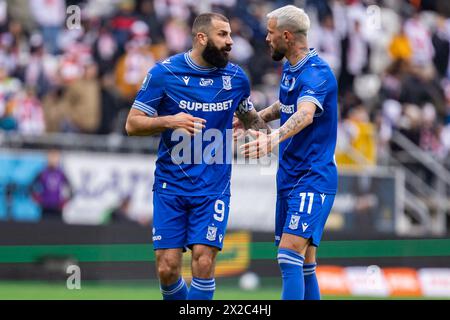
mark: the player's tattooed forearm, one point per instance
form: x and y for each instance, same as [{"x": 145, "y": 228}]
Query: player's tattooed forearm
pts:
[
  {"x": 259, "y": 123},
  {"x": 296, "y": 123},
  {"x": 252, "y": 120},
  {"x": 271, "y": 113}
]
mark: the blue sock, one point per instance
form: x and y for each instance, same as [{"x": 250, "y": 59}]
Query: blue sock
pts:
[
  {"x": 291, "y": 265},
  {"x": 202, "y": 289},
  {"x": 312, "y": 291},
  {"x": 176, "y": 291}
]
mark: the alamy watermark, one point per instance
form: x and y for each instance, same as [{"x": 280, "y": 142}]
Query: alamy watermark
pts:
[
  {"x": 373, "y": 20},
  {"x": 73, "y": 20},
  {"x": 213, "y": 146},
  {"x": 74, "y": 280},
  {"x": 374, "y": 276}
]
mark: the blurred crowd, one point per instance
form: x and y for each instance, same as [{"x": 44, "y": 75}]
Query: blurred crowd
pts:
[{"x": 76, "y": 66}]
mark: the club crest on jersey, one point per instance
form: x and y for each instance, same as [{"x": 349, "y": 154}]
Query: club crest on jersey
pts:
[
  {"x": 293, "y": 224},
  {"x": 212, "y": 233},
  {"x": 227, "y": 83},
  {"x": 285, "y": 81},
  {"x": 288, "y": 82}
]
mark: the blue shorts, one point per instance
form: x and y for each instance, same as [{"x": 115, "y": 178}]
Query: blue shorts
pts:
[
  {"x": 303, "y": 214},
  {"x": 183, "y": 221}
]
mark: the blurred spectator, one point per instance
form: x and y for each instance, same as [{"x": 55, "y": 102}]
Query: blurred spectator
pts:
[
  {"x": 133, "y": 66},
  {"x": 148, "y": 15},
  {"x": 400, "y": 47},
  {"x": 120, "y": 214},
  {"x": 122, "y": 21},
  {"x": 441, "y": 46},
  {"x": 356, "y": 56},
  {"x": 177, "y": 34},
  {"x": 420, "y": 39},
  {"x": 41, "y": 70},
  {"x": 106, "y": 49},
  {"x": 358, "y": 132},
  {"x": 327, "y": 40},
  {"x": 429, "y": 134},
  {"x": 9, "y": 87},
  {"x": 28, "y": 113},
  {"x": 111, "y": 105},
  {"x": 50, "y": 16},
  {"x": 81, "y": 103},
  {"x": 51, "y": 189},
  {"x": 53, "y": 111},
  {"x": 242, "y": 49},
  {"x": 20, "y": 10}
]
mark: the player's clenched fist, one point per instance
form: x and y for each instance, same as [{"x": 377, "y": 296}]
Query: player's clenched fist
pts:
[{"x": 185, "y": 121}]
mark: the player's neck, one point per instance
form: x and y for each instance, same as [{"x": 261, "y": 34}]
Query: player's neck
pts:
[
  {"x": 297, "y": 54},
  {"x": 196, "y": 56}
]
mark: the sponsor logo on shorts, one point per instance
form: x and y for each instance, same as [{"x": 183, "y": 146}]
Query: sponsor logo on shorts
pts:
[{"x": 155, "y": 238}]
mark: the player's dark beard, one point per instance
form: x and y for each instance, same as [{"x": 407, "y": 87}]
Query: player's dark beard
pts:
[
  {"x": 278, "y": 55},
  {"x": 216, "y": 56}
]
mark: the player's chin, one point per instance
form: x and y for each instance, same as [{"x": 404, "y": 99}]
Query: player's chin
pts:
[{"x": 277, "y": 56}]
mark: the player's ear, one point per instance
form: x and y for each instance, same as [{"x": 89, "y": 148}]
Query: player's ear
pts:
[{"x": 202, "y": 38}]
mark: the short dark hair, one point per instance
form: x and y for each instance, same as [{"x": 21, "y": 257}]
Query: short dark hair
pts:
[{"x": 203, "y": 22}]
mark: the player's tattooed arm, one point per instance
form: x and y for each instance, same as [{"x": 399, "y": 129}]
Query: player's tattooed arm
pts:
[
  {"x": 271, "y": 113},
  {"x": 247, "y": 120},
  {"x": 252, "y": 120},
  {"x": 265, "y": 143},
  {"x": 139, "y": 124},
  {"x": 297, "y": 122}
]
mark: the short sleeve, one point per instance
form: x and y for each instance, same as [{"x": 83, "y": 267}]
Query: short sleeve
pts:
[
  {"x": 315, "y": 91},
  {"x": 245, "y": 105},
  {"x": 152, "y": 91}
]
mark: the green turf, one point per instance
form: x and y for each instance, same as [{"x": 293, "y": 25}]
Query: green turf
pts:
[
  {"x": 92, "y": 291},
  {"x": 131, "y": 291}
]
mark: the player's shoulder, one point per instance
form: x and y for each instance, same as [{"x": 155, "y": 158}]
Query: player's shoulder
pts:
[
  {"x": 317, "y": 72},
  {"x": 171, "y": 62},
  {"x": 236, "y": 72}
]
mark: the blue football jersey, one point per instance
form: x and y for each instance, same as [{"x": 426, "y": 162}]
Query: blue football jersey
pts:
[
  {"x": 214, "y": 94},
  {"x": 306, "y": 160}
]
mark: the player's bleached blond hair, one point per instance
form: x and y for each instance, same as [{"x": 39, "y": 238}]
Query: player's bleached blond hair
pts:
[{"x": 291, "y": 18}]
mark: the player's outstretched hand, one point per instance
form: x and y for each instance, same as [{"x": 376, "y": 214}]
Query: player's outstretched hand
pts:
[
  {"x": 185, "y": 121},
  {"x": 261, "y": 146}
]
